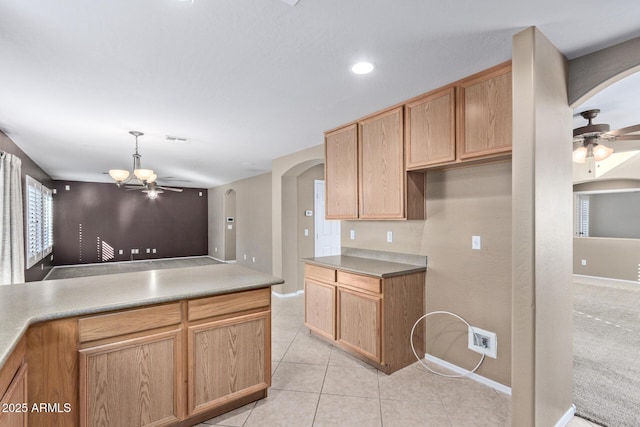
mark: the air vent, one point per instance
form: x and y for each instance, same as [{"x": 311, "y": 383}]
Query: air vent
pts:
[{"x": 176, "y": 139}]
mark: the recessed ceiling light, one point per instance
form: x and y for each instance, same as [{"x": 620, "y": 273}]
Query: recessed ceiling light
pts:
[{"x": 362, "y": 68}]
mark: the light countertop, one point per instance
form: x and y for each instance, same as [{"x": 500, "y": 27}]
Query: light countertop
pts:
[
  {"x": 24, "y": 304},
  {"x": 368, "y": 266}
]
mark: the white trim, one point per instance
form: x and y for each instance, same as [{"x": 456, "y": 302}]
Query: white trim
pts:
[
  {"x": 596, "y": 280},
  {"x": 478, "y": 378},
  {"x": 566, "y": 418},
  {"x": 289, "y": 295}
]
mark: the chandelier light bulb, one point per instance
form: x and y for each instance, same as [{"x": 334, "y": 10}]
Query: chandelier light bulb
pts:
[
  {"x": 143, "y": 174},
  {"x": 119, "y": 175}
]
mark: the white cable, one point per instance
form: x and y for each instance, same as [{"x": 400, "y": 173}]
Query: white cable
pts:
[{"x": 420, "y": 359}]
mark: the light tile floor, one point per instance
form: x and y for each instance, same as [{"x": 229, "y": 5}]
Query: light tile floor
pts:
[{"x": 315, "y": 384}]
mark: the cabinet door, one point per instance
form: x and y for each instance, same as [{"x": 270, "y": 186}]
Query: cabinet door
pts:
[
  {"x": 134, "y": 382},
  {"x": 341, "y": 173},
  {"x": 381, "y": 155},
  {"x": 14, "y": 412},
  {"x": 430, "y": 129},
  {"x": 359, "y": 320},
  {"x": 485, "y": 114},
  {"x": 228, "y": 359},
  {"x": 320, "y": 307}
]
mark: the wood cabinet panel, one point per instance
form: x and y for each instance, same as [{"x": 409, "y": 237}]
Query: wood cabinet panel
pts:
[
  {"x": 485, "y": 113},
  {"x": 359, "y": 321},
  {"x": 366, "y": 283},
  {"x": 320, "y": 307},
  {"x": 230, "y": 303},
  {"x": 52, "y": 356},
  {"x": 14, "y": 400},
  {"x": 320, "y": 273},
  {"x": 341, "y": 173},
  {"x": 134, "y": 382},
  {"x": 430, "y": 129},
  {"x": 228, "y": 359},
  {"x": 126, "y": 322},
  {"x": 381, "y": 166}
]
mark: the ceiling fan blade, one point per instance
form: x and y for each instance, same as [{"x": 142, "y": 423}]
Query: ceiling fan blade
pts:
[
  {"x": 620, "y": 146},
  {"x": 622, "y": 131},
  {"x": 177, "y": 190},
  {"x": 626, "y": 138}
]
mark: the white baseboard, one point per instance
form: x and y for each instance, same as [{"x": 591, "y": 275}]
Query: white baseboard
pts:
[
  {"x": 289, "y": 295},
  {"x": 478, "y": 378},
  {"x": 566, "y": 418},
  {"x": 603, "y": 281}
]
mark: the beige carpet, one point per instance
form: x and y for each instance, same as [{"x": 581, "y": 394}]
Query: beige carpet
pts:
[{"x": 606, "y": 386}]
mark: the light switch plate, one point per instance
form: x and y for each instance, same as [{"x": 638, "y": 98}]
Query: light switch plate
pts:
[
  {"x": 476, "y": 242},
  {"x": 389, "y": 236},
  {"x": 352, "y": 234}
]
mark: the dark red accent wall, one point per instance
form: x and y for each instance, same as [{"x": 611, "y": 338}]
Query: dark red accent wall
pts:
[
  {"x": 175, "y": 224},
  {"x": 29, "y": 167}
]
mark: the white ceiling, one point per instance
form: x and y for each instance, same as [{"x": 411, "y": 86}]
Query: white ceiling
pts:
[{"x": 247, "y": 81}]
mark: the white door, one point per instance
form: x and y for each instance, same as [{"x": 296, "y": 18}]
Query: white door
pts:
[{"x": 327, "y": 231}]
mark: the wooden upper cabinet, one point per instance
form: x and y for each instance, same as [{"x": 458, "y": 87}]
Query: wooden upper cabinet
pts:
[
  {"x": 341, "y": 173},
  {"x": 430, "y": 129},
  {"x": 485, "y": 113},
  {"x": 381, "y": 166}
]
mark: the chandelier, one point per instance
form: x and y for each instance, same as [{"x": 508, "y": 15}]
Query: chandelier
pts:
[{"x": 144, "y": 176}]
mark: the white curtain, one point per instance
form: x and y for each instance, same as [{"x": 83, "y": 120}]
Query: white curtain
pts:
[{"x": 11, "y": 224}]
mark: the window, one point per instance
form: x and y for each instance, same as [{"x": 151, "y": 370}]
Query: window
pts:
[
  {"x": 39, "y": 221},
  {"x": 581, "y": 220}
]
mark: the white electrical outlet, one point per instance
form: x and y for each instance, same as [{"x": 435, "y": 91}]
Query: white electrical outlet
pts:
[
  {"x": 389, "y": 236},
  {"x": 120, "y": 252},
  {"x": 583, "y": 262},
  {"x": 306, "y": 231},
  {"x": 245, "y": 256},
  {"x": 352, "y": 234},
  {"x": 253, "y": 259},
  {"x": 148, "y": 250},
  {"x": 483, "y": 342},
  {"x": 153, "y": 250}
]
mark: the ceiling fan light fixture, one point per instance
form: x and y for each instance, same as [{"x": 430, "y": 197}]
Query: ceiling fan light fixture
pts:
[
  {"x": 152, "y": 194},
  {"x": 580, "y": 155},
  {"x": 601, "y": 152}
]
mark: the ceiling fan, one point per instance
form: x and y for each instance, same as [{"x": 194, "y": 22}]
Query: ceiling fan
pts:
[
  {"x": 141, "y": 179},
  {"x": 588, "y": 140}
]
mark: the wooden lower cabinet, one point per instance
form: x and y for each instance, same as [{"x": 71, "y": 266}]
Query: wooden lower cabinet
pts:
[
  {"x": 359, "y": 323},
  {"x": 227, "y": 360},
  {"x": 373, "y": 316},
  {"x": 132, "y": 381},
  {"x": 14, "y": 406},
  {"x": 174, "y": 364},
  {"x": 320, "y": 307}
]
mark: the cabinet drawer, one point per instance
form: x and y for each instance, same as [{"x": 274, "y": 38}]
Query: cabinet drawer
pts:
[
  {"x": 366, "y": 283},
  {"x": 321, "y": 273},
  {"x": 130, "y": 321},
  {"x": 229, "y": 303}
]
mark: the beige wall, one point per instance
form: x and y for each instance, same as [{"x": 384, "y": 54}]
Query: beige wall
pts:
[
  {"x": 253, "y": 221},
  {"x": 473, "y": 284},
  {"x": 542, "y": 364},
  {"x": 306, "y": 191},
  {"x": 288, "y": 166},
  {"x": 610, "y": 258}
]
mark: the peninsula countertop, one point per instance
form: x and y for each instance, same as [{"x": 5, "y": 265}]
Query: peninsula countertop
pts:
[
  {"x": 24, "y": 304},
  {"x": 368, "y": 266}
]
